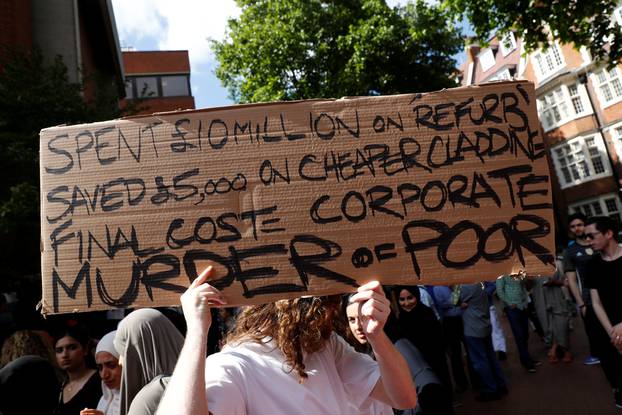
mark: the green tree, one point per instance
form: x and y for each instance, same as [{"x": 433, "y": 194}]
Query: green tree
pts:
[
  {"x": 300, "y": 49},
  {"x": 35, "y": 95},
  {"x": 588, "y": 23}
]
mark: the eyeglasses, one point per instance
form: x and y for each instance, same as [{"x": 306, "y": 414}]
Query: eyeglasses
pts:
[{"x": 592, "y": 235}]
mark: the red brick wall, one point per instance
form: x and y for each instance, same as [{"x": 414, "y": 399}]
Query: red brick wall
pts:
[
  {"x": 570, "y": 129},
  {"x": 156, "y": 62},
  {"x": 590, "y": 189},
  {"x": 611, "y": 113},
  {"x": 571, "y": 56},
  {"x": 16, "y": 23},
  {"x": 163, "y": 104}
]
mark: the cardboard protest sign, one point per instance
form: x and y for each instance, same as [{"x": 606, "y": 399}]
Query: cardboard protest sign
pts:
[{"x": 295, "y": 198}]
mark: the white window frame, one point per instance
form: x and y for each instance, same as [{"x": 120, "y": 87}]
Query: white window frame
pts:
[
  {"x": 581, "y": 158},
  {"x": 596, "y": 203},
  {"x": 563, "y": 99},
  {"x": 507, "y": 38},
  {"x": 616, "y": 136},
  {"x": 597, "y": 86},
  {"x": 501, "y": 75},
  {"x": 486, "y": 59},
  {"x": 556, "y": 61}
]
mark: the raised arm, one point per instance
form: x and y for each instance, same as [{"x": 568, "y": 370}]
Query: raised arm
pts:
[
  {"x": 395, "y": 387},
  {"x": 185, "y": 393}
]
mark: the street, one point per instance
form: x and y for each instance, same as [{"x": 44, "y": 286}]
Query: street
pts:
[{"x": 562, "y": 388}]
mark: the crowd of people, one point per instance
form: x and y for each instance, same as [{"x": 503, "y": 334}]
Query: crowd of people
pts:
[{"x": 382, "y": 350}]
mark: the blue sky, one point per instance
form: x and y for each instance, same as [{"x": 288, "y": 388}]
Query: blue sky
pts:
[{"x": 182, "y": 24}]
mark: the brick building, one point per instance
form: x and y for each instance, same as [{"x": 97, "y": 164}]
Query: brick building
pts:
[
  {"x": 83, "y": 32},
  {"x": 160, "y": 78},
  {"x": 580, "y": 111}
]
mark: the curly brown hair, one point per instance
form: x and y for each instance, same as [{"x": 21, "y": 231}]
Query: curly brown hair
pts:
[
  {"x": 25, "y": 342},
  {"x": 298, "y": 326}
]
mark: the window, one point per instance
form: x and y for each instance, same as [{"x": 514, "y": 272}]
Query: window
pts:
[
  {"x": 173, "y": 86},
  {"x": 561, "y": 105},
  {"x": 573, "y": 91},
  {"x": 157, "y": 86},
  {"x": 580, "y": 160},
  {"x": 129, "y": 89},
  {"x": 502, "y": 75},
  {"x": 609, "y": 86},
  {"x": 608, "y": 205},
  {"x": 616, "y": 133},
  {"x": 595, "y": 156},
  {"x": 486, "y": 59},
  {"x": 146, "y": 86},
  {"x": 507, "y": 44},
  {"x": 554, "y": 109},
  {"x": 548, "y": 62}
]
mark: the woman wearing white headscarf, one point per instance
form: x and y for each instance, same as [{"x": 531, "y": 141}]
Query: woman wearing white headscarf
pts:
[
  {"x": 149, "y": 345},
  {"x": 107, "y": 360}
]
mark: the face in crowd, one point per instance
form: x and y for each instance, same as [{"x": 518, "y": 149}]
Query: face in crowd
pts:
[
  {"x": 352, "y": 312},
  {"x": 407, "y": 300},
  {"x": 70, "y": 354},
  {"x": 577, "y": 227},
  {"x": 598, "y": 241},
  {"x": 109, "y": 369}
]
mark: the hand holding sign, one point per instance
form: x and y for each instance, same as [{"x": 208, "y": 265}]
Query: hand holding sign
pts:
[
  {"x": 374, "y": 308},
  {"x": 197, "y": 299}
]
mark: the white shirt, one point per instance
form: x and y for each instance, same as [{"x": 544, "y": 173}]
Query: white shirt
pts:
[{"x": 251, "y": 379}]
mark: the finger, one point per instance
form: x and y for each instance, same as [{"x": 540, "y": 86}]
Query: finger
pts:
[
  {"x": 369, "y": 295},
  {"x": 206, "y": 288},
  {"x": 372, "y": 285},
  {"x": 212, "y": 297},
  {"x": 202, "y": 277},
  {"x": 372, "y": 309}
]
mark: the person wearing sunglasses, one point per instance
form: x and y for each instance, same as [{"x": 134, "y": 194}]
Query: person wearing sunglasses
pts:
[
  {"x": 604, "y": 278},
  {"x": 576, "y": 257}
]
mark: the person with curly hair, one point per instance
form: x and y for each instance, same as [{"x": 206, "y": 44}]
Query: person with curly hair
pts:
[
  {"x": 284, "y": 358},
  {"x": 25, "y": 343}
]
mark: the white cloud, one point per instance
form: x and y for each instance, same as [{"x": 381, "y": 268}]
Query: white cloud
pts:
[
  {"x": 179, "y": 24},
  {"x": 137, "y": 20}
]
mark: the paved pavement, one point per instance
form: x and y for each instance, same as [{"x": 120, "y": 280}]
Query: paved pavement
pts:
[{"x": 568, "y": 389}]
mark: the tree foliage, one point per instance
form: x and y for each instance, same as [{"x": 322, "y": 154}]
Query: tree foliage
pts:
[
  {"x": 588, "y": 23},
  {"x": 300, "y": 49},
  {"x": 35, "y": 95}
]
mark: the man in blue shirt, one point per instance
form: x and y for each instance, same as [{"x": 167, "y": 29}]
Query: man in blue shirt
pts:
[{"x": 453, "y": 329}]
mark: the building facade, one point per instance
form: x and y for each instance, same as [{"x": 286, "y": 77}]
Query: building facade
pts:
[
  {"x": 82, "y": 32},
  {"x": 580, "y": 111},
  {"x": 160, "y": 79}
]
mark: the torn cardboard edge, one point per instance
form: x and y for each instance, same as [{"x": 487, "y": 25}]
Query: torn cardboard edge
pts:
[{"x": 291, "y": 250}]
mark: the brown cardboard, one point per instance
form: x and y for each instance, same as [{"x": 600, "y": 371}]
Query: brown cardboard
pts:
[{"x": 420, "y": 195}]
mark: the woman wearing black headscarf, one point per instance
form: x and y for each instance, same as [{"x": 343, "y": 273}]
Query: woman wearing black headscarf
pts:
[
  {"x": 418, "y": 323},
  {"x": 28, "y": 385}
]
